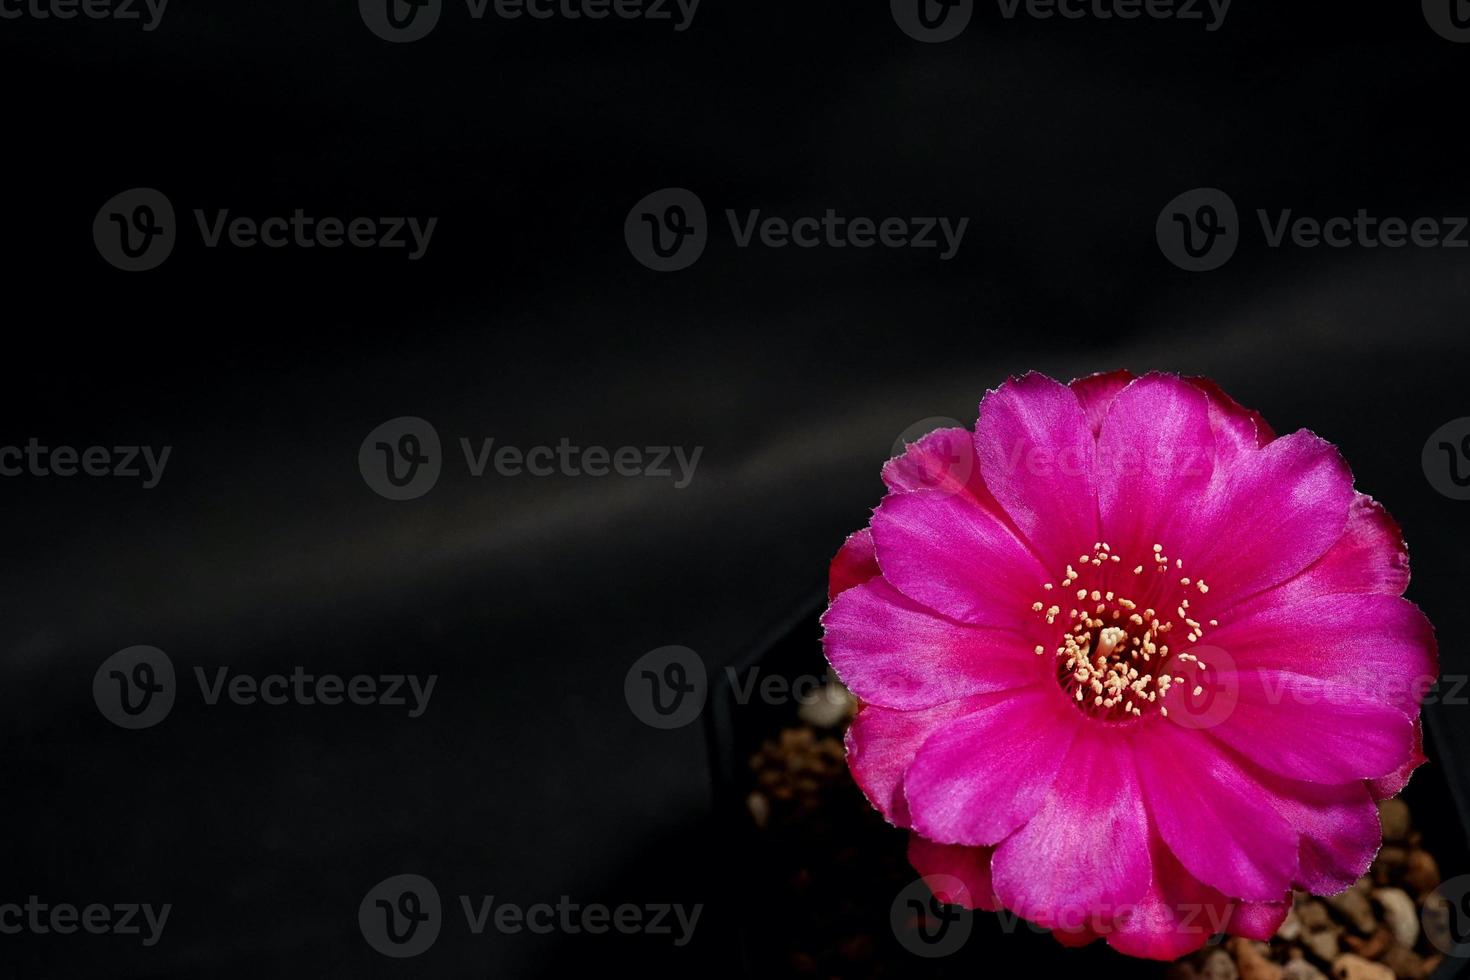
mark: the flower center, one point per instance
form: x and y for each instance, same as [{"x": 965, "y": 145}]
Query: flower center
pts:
[{"x": 1114, "y": 628}]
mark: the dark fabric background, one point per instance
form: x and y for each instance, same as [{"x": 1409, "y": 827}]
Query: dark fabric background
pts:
[{"x": 529, "y": 321}]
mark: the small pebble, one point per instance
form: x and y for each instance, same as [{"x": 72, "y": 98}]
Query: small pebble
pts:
[
  {"x": 1353, "y": 906},
  {"x": 1219, "y": 966},
  {"x": 1302, "y": 970},
  {"x": 1422, "y": 872},
  {"x": 1372, "y": 947},
  {"x": 1436, "y": 919},
  {"x": 1394, "y": 815},
  {"x": 1313, "y": 915},
  {"x": 1389, "y": 864},
  {"x": 1322, "y": 942},
  {"x": 760, "y": 809},
  {"x": 1399, "y": 915},
  {"x": 1351, "y": 967},
  {"x": 1405, "y": 963},
  {"x": 829, "y": 708},
  {"x": 1291, "y": 926},
  {"x": 1252, "y": 962}
]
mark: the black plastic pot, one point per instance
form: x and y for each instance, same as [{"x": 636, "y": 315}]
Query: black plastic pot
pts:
[{"x": 1438, "y": 795}]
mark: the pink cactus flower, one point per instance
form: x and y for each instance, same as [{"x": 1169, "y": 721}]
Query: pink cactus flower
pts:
[{"x": 1131, "y": 666}]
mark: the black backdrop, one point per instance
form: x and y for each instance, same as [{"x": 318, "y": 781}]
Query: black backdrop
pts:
[{"x": 529, "y": 321}]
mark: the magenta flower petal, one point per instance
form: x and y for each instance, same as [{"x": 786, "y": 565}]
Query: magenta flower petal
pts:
[
  {"x": 1216, "y": 818},
  {"x": 1380, "y": 644},
  {"x": 980, "y": 777},
  {"x": 855, "y": 563},
  {"x": 1074, "y": 938},
  {"x": 1281, "y": 509},
  {"x": 944, "y": 460},
  {"x": 1096, "y": 393},
  {"x": 948, "y": 553},
  {"x": 1257, "y": 920},
  {"x": 935, "y": 660},
  {"x": 1383, "y": 787},
  {"x": 970, "y": 866},
  {"x": 1317, "y": 730},
  {"x": 1370, "y": 556},
  {"x": 1176, "y": 915},
  {"x": 882, "y": 743},
  {"x": 1338, "y": 827},
  {"x": 1042, "y": 872},
  {"x": 1237, "y": 429},
  {"x": 1034, "y": 600},
  {"x": 1155, "y": 456},
  {"x": 1036, "y": 451}
]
